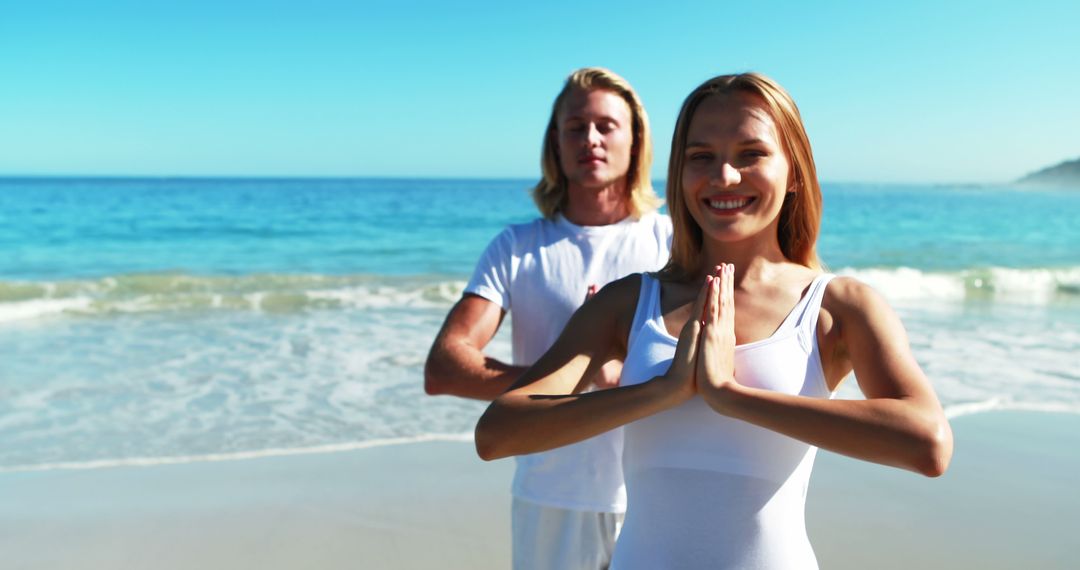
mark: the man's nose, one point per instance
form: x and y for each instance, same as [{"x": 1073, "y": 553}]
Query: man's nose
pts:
[{"x": 593, "y": 136}]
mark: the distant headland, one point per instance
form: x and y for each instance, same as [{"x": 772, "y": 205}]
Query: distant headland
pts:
[{"x": 1065, "y": 174}]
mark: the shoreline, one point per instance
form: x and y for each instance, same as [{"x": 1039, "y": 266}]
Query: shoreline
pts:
[
  {"x": 951, "y": 412},
  {"x": 1007, "y": 501}
]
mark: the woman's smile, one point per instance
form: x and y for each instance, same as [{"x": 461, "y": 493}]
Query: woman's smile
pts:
[{"x": 728, "y": 206}]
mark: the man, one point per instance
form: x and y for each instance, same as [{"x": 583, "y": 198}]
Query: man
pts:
[{"x": 599, "y": 224}]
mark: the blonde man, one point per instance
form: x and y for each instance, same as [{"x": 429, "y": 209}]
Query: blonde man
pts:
[{"x": 599, "y": 223}]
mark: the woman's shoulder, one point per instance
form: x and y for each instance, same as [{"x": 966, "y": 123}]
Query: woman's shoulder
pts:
[
  {"x": 847, "y": 297},
  {"x": 621, "y": 290},
  {"x": 615, "y": 304}
]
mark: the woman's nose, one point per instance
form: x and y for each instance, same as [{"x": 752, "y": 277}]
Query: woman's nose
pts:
[{"x": 726, "y": 175}]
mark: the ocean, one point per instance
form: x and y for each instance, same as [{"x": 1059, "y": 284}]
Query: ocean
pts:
[{"x": 148, "y": 321}]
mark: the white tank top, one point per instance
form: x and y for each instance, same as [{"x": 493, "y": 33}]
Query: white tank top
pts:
[{"x": 708, "y": 491}]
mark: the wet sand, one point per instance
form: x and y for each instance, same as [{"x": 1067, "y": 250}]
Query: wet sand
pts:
[{"x": 1008, "y": 501}]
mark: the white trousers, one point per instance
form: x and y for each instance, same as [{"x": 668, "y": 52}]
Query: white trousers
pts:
[{"x": 549, "y": 538}]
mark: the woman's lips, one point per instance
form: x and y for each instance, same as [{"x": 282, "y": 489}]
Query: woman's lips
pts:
[{"x": 728, "y": 205}]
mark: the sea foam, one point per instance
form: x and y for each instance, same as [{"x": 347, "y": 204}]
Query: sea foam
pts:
[
  {"x": 277, "y": 293},
  {"x": 155, "y": 293},
  {"x": 237, "y": 455},
  {"x": 1028, "y": 286}
]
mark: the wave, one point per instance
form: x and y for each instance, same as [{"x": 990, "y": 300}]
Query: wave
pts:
[
  {"x": 1006, "y": 405},
  {"x": 236, "y": 455},
  {"x": 283, "y": 293},
  {"x": 172, "y": 292},
  {"x": 1031, "y": 286}
]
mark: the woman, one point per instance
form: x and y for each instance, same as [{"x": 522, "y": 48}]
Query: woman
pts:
[{"x": 722, "y": 423}]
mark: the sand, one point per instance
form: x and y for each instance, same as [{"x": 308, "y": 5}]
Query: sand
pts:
[{"x": 1006, "y": 502}]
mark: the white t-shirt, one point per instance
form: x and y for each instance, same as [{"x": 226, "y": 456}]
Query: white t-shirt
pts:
[{"x": 540, "y": 271}]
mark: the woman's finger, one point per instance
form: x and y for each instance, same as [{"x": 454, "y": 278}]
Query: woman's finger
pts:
[
  {"x": 688, "y": 338},
  {"x": 717, "y": 295},
  {"x": 729, "y": 294},
  {"x": 697, "y": 312}
]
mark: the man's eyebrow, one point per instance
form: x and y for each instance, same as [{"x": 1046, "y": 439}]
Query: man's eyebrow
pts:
[{"x": 582, "y": 117}]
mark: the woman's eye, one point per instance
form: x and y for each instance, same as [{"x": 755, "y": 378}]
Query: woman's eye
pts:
[{"x": 699, "y": 156}]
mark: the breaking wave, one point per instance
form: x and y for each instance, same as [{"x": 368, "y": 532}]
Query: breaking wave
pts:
[{"x": 171, "y": 292}]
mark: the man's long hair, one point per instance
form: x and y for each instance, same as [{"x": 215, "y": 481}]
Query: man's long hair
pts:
[{"x": 550, "y": 194}]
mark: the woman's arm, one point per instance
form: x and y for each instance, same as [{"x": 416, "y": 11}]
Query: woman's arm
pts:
[
  {"x": 543, "y": 409},
  {"x": 900, "y": 423}
]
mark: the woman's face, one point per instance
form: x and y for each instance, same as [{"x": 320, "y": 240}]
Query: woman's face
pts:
[{"x": 735, "y": 172}]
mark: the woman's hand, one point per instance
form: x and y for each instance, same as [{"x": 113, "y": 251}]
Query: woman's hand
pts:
[
  {"x": 715, "y": 369},
  {"x": 681, "y": 375}
]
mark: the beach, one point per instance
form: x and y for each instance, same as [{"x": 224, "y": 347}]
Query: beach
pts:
[
  {"x": 227, "y": 373},
  {"x": 1007, "y": 502},
  {"x": 232, "y": 232}
]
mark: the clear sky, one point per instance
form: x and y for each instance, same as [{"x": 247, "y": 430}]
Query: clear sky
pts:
[{"x": 893, "y": 92}]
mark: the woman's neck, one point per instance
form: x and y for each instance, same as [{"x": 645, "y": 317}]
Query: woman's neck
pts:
[{"x": 753, "y": 260}]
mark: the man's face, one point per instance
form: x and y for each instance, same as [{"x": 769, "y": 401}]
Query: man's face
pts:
[{"x": 595, "y": 138}]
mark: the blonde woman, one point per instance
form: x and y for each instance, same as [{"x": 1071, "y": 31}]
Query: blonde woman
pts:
[{"x": 733, "y": 352}]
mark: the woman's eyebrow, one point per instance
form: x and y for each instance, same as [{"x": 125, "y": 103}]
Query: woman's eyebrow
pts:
[{"x": 745, "y": 142}]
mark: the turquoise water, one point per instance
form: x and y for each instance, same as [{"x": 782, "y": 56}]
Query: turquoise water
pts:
[
  {"x": 63, "y": 229},
  {"x": 146, "y": 319}
]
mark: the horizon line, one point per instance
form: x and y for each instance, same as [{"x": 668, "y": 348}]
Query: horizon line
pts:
[{"x": 299, "y": 177}]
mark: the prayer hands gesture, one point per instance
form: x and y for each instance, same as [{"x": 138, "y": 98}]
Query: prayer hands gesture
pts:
[
  {"x": 716, "y": 355},
  {"x": 705, "y": 356}
]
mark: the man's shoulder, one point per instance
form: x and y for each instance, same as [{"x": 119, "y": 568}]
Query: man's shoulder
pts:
[
  {"x": 655, "y": 221},
  {"x": 533, "y": 233},
  {"x": 529, "y": 227},
  {"x": 512, "y": 233},
  {"x": 653, "y": 226},
  {"x": 539, "y": 231},
  {"x": 657, "y": 218}
]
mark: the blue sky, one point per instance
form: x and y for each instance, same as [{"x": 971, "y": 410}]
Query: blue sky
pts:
[{"x": 901, "y": 92}]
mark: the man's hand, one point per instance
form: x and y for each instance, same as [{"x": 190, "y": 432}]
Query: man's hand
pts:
[{"x": 608, "y": 376}]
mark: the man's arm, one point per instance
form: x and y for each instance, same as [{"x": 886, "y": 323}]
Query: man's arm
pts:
[{"x": 457, "y": 365}]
